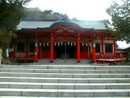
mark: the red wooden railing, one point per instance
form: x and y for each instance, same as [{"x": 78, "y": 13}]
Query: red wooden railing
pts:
[
  {"x": 23, "y": 56},
  {"x": 110, "y": 57}
]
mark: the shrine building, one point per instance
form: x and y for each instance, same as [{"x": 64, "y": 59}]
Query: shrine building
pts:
[{"x": 59, "y": 40}]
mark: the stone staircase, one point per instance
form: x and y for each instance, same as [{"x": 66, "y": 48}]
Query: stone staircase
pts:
[
  {"x": 63, "y": 61},
  {"x": 65, "y": 81}
]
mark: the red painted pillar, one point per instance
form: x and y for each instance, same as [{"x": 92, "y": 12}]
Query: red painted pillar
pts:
[
  {"x": 78, "y": 48},
  {"x": 94, "y": 53},
  {"x": 36, "y": 52},
  {"x": 78, "y": 51},
  {"x": 114, "y": 43},
  {"x": 52, "y": 49}
]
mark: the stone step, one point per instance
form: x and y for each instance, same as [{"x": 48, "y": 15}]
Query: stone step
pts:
[
  {"x": 64, "y": 75},
  {"x": 61, "y": 70},
  {"x": 55, "y": 97},
  {"x": 65, "y": 92},
  {"x": 65, "y": 80},
  {"x": 63, "y": 61},
  {"x": 77, "y": 86},
  {"x": 89, "y": 67}
]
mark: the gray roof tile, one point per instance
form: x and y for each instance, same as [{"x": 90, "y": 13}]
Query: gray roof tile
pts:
[{"x": 46, "y": 24}]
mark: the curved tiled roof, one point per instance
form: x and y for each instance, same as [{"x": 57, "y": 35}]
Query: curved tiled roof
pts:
[{"x": 97, "y": 25}]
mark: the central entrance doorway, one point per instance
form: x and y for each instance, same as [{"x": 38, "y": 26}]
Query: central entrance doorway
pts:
[{"x": 65, "y": 51}]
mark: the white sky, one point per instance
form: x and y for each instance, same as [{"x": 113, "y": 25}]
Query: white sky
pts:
[{"x": 80, "y": 9}]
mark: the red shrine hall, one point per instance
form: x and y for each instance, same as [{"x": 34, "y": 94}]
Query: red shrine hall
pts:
[{"x": 53, "y": 41}]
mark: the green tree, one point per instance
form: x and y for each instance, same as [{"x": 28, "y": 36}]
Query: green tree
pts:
[
  {"x": 120, "y": 16},
  {"x": 11, "y": 12},
  {"x": 38, "y": 15},
  {"x": 5, "y": 37},
  {"x": 47, "y": 12}
]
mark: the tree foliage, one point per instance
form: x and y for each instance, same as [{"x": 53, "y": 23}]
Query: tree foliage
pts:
[
  {"x": 46, "y": 15},
  {"x": 5, "y": 37},
  {"x": 11, "y": 12},
  {"x": 120, "y": 16}
]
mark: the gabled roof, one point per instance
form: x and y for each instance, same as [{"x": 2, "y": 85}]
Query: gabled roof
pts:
[{"x": 97, "y": 25}]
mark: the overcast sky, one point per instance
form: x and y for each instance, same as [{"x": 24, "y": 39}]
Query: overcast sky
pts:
[{"x": 80, "y": 9}]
